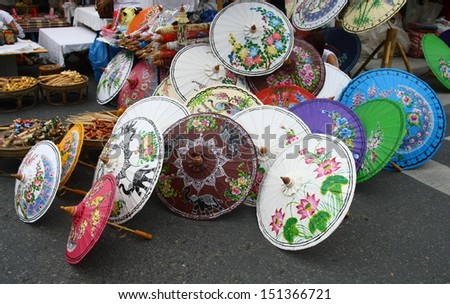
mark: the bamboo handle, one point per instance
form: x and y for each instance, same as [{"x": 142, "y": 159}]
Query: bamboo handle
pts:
[
  {"x": 397, "y": 167},
  {"x": 140, "y": 233},
  {"x": 76, "y": 191}
]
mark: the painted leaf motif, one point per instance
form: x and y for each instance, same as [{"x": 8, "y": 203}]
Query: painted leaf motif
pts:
[
  {"x": 333, "y": 184},
  {"x": 319, "y": 221},
  {"x": 290, "y": 230}
]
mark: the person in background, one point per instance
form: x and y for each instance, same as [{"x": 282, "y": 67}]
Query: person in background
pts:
[
  {"x": 8, "y": 21},
  {"x": 317, "y": 40}
]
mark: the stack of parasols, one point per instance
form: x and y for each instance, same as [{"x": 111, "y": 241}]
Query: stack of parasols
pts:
[{"x": 248, "y": 117}]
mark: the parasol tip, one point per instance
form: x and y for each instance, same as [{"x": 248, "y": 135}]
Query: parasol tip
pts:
[
  {"x": 69, "y": 209},
  {"x": 263, "y": 150},
  {"x": 104, "y": 159},
  {"x": 198, "y": 160},
  {"x": 120, "y": 111},
  {"x": 253, "y": 28},
  {"x": 287, "y": 62},
  {"x": 286, "y": 180},
  {"x": 19, "y": 176},
  {"x": 216, "y": 68}
]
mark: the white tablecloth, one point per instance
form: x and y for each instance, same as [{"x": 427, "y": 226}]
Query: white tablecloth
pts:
[
  {"x": 20, "y": 47},
  {"x": 61, "y": 41},
  {"x": 89, "y": 17}
]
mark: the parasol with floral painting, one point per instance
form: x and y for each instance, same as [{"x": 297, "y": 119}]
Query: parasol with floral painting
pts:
[
  {"x": 306, "y": 193},
  {"x": 70, "y": 149},
  {"x": 209, "y": 166},
  {"x": 312, "y": 14},
  {"x": 437, "y": 56},
  {"x": 285, "y": 96}
]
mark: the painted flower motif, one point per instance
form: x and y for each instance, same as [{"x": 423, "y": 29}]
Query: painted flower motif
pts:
[
  {"x": 277, "y": 221},
  {"x": 327, "y": 167},
  {"x": 307, "y": 206}
]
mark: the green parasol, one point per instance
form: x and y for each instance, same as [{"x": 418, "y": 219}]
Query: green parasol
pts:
[
  {"x": 384, "y": 123},
  {"x": 437, "y": 56}
]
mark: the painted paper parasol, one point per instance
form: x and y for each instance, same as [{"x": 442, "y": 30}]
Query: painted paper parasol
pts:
[
  {"x": 312, "y": 14},
  {"x": 437, "y": 56},
  {"x": 363, "y": 15},
  {"x": 165, "y": 88},
  {"x": 272, "y": 129},
  {"x": 335, "y": 81},
  {"x": 134, "y": 155},
  {"x": 346, "y": 46},
  {"x": 141, "y": 83},
  {"x": 222, "y": 99},
  {"x": 155, "y": 108},
  {"x": 70, "y": 148},
  {"x": 304, "y": 68},
  {"x": 209, "y": 167},
  {"x": 195, "y": 67},
  {"x": 425, "y": 115},
  {"x": 143, "y": 19},
  {"x": 329, "y": 117},
  {"x": 285, "y": 96},
  {"x": 114, "y": 76},
  {"x": 384, "y": 123},
  {"x": 90, "y": 218},
  {"x": 251, "y": 38},
  {"x": 37, "y": 181},
  {"x": 306, "y": 193}
]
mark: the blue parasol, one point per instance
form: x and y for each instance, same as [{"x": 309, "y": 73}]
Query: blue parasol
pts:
[
  {"x": 425, "y": 115},
  {"x": 330, "y": 117}
]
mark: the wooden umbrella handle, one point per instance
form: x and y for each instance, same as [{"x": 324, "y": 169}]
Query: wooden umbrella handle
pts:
[
  {"x": 140, "y": 233},
  {"x": 76, "y": 191}
]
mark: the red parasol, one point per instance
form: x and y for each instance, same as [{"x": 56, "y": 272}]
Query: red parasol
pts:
[{"x": 285, "y": 96}]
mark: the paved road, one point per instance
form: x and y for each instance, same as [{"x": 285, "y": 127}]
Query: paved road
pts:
[{"x": 398, "y": 232}]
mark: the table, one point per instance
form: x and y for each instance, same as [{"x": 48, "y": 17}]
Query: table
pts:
[
  {"x": 32, "y": 25},
  {"x": 62, "y": 41},
  {"x": 8, "y": 54},
  {"x": 89, "y": 17}
]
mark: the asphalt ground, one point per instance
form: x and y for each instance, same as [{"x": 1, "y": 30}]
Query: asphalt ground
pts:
[{"x": 397, "y": 232}]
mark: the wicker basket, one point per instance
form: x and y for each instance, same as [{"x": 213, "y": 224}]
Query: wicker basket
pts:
[
  {"x": 19, "y": 99},
  {"x": 65, "y": 94}
]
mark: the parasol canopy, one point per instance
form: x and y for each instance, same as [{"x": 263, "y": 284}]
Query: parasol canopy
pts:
[
  {"x": 272, "y": 129},
  {"x": 329, "y": 117},
  {"x": 437, "y": 56},
  {"x": 141, "y": 82},
  {"x": 306, "y": 193},
  {"x": 37, "y": 181},
  {"x": 90, "y": 218},
  {"x": 285, "y": 96},
  {"x": 70, "y": 149},
  {"x": 155, "y": 108},
  {"x": 134, "y": 155},
  {"x": 363, "y": 15},
  {"x": 222, "y": 99},
  {"x": 312, "y": 14},
  {"x": 384, "y": 124},
  {"x": 304, "y": 68},
  {"x": 346, "y": 46},
  {"x": 114, "y": 76},
  {"x": 445, "y": 36},
  {"x": 335, "y": 81},
  {"x": 425, "y": 115},
  {"x": 195, "y": 67},
  {"x": 165, "y": 88},
  {"x": 143, "y": 19},
  {"x": 251, "y": 38},
  {"x": 209, "y": 167}
]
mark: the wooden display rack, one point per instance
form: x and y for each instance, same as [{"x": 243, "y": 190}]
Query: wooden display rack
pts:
[{"x": 63, "y": 95}]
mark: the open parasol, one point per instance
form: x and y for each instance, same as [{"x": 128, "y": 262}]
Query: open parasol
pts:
[
  {"x": 285, "y": 96},
  {"x": 425, "y": 115},
  {"x": 155, "y": 108},
  {"x": 134, "y": 155},
  {"x": 251, "y": 38},
  {"x": 209, "y": 167},
  {"x": 437, "y": 56},
  {"x": 384, "y": 124},
  {"x": 165, "y": 88},
  {"x": 445, "y": 36},
  {"x": 114, "y": 76},
  {"x": 330, "y": 117},
  {"x": 70, "y": 149},
  {"x": 304, "y": 68},
  {"x": 306, "y": 193},
  {"x": 140, "y": 83},
  {"x": 312, "y": 14},
  {"x": 143, "y": 19},
  {"x": 272, "y": 129},
  {"x": 363, "y": 15},
  {"x": 335, "y": 81},
  {"x": 222, "y": 99},
  {"x": 195, "y": 67},
  {"x": 346, "y": 46},
  {"x": 37, "y": 181},
  {"x": 90, "y": 218}
]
